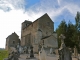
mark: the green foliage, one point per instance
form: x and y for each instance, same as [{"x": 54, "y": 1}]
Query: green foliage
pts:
[
  {"x": 77, "y": 19},
  {"x": 3, "y": 54},
  {"x": 70, "y": 42},
  {"x": 70, "y": 31},
  {"x": 61, "y": 30}
]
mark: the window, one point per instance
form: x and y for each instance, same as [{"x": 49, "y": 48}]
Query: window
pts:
[
  {"x": 43, "y": 42},
  {"x": 13, "y": 42}
]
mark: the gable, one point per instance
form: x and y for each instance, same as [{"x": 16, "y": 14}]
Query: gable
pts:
[{"x": 45, "y": 17}]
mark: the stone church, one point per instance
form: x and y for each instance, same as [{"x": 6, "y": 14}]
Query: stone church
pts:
[
  {"x": 39, "y": 32},
  {"x": 12, "y": 41}
]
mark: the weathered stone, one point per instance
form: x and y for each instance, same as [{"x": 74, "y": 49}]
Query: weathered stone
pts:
[
  {"x": 64, "y": 53},
  {"x": 75, "y": 52},
  {"x": 12, "y": 41},
  {"x": 51, "y": 50},
  {"x": 33, "y": 32},
  {"x": 42, "y": 54},
  {"x": 31, "y": 52}
]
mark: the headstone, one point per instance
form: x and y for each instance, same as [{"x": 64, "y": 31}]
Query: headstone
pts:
[
  {"x": 20, "y": 49},
  {"x": 75, "y": 52},
  {"x": 31, "y": 52},
  {"x": 64, "y": 53},
  {"x": 25, "y": 49},
  {"x": 13, "y": 56},
  {"x": 42, "y": 54},
  {"x": 51, "y": 50}
]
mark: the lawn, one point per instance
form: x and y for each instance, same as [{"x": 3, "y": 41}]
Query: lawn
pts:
[{"x": 3, "y": 54}]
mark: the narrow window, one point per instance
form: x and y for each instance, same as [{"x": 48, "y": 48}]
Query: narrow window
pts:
[
  {"x": 43, "y": 42},
  {"x": 13, "y": 42}
]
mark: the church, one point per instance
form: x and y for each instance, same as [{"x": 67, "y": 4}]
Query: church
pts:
[{"x": 37, "y": 33}]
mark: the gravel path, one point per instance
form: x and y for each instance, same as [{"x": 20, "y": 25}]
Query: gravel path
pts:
[{"x": 48, "y": 57}]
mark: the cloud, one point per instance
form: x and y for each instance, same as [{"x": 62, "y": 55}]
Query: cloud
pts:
[
  {"x": 11, "y": 16},
  {"x": 54, "y": 8},
  {"x": 14, "y": 12},
  {"x": 7, "y": 5}
]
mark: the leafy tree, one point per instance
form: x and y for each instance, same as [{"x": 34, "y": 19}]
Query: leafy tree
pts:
[
  {"x": 70, "y": 42},
  {"x": 71, "y": 32},
  {"x": 68, "y": 30},
  {"x": 77, "y": 25},
  {"x": 61, "y": 30}
]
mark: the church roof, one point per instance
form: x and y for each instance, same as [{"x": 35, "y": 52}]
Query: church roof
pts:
[
  {"x": 42, "y": 16},
  {"x": 49, "y": 36},
  {"x": 12, "y": 34},
  {"x": 37, "y": 19}
]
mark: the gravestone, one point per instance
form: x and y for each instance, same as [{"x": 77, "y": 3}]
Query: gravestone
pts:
[
  {"x": 51, "y": 50},
  {"x": 13, "y": 56},
  {"x": 20, "y": 49},
  {"x": 42, "y": 54},
  {"x": 18, "y": 45},
  {"x": 25, "y": 49},
  {"x": 31, "y": 52},
  {"x": 64, "y": 53},
  {"x": 75, "y": 52}
]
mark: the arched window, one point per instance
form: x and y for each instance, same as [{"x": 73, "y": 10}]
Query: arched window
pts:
[{"x": 13, "y": 42}]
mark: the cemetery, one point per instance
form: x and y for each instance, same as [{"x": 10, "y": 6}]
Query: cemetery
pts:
[
  {"x": 64, "y": 53},
  {"x": 36, "y": 44}
]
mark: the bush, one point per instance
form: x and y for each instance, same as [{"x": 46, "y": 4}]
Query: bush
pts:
[{"x": 3, "y": 54}]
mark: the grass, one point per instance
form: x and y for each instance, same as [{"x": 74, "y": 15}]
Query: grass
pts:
[{"x": 3, "y": 54}]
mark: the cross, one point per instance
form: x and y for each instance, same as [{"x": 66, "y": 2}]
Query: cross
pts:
[{"x": 62, "y": 37}]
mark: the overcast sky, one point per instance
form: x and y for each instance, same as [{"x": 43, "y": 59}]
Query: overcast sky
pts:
[{"x": 14, "y": 12}]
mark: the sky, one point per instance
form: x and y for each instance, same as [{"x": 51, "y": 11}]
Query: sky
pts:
[{"x": 14, "y": 12}]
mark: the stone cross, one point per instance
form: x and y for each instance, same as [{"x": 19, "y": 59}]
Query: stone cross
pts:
[
  {"x": 62, "y": 37},
  {"x": 75, "y": 52},
  {"x": 64, "y": 53}
]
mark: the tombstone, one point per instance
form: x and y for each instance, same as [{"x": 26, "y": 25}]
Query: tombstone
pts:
[
  {"x": 75, "y": 52},
  {"x": 51, "y": 50},
  {"x": 42, "y": 54},
  {"x": 10, "y": 57},
  {"x": 25, "y": 49},
  {"x": 13, "y": 56},
  {"x": 31, "y": 52},
  {"x": 18, "y": 47},
  {"x": 64, "y": 53},
  {"x": 20, "y": 50}
]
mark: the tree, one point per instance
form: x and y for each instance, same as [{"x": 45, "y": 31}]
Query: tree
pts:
[
  {"x": 61, "y": 30},
  {"x": 77, "y": 25},
  {"x": 70, "y": 42},
  {"x": 68, "y": 30}
]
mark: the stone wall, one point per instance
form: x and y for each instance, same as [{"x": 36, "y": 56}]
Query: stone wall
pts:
[
  {"x": 39, "y": 29},
  {"x": 12, "y": 41}
]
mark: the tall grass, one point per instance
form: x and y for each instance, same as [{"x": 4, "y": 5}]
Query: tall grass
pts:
[{"x": 3, "y": 54}]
